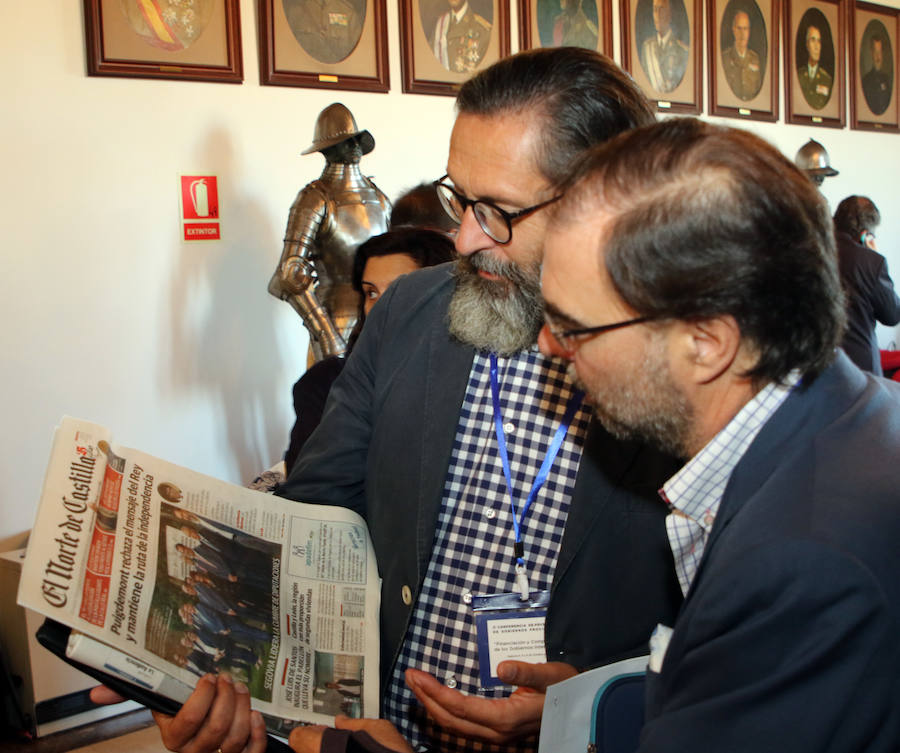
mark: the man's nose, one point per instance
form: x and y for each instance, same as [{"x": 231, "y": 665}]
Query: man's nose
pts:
[{"x": 470, "y": 238}]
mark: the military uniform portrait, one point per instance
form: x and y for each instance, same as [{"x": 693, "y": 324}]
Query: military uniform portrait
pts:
[
  {"x": 327, "y": 30},
  {"x": 459, "y": 32},
  {"x": 663, "y": 40},
  {"x": 568, "y": 23},
  {"x": 815, "y": 56},
  {"x": 876, "y": 64},
  {"x": 744, "y": 47}
]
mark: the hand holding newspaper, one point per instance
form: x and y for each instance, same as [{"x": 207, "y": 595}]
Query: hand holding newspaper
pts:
[{"x": 187, "y": 575}]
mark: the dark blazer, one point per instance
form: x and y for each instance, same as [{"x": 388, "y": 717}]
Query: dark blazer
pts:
[
  {"x": 383, "y": 449},
  {"x": 789, "y": 638},
  {"x": 870, "y": 298}
]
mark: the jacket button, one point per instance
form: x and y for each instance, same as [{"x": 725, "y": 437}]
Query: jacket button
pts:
[{"x": 406, "y": 595}]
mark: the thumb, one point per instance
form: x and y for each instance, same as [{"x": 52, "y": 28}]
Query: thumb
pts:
[{"x": 536, "y": 676}]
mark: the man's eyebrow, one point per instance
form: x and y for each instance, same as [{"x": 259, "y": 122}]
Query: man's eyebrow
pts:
[
  {"x": 489, "y": 199},
  {"x": 560, "y": 316}
]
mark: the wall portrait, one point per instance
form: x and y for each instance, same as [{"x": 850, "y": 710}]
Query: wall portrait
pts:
[
  {"x": 171, "y": 39},
  {"x": 566, "y": 23},
  {"x": 444, "y": 42},
  {"x": 874, "y": 67},
  {"x": 661, "y": 48},
  {"x": 814, "y": 62},
  {"x": 743, "y": 60},
  {"x": 327, "y": 44}
]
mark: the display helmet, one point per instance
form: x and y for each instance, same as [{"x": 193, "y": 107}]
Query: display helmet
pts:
[{"x": 334, "y": 125}]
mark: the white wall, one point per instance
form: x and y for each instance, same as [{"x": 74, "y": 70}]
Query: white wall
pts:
[{"x": 178, "y": 347}]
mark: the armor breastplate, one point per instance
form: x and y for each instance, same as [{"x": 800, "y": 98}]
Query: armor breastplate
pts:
[{"x": 329, "y": 219}]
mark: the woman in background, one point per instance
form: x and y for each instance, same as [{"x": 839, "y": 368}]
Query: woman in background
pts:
[{"x": 378, "y": 262}]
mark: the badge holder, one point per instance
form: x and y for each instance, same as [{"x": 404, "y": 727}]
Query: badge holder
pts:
[{"x": 509, "y": 628}]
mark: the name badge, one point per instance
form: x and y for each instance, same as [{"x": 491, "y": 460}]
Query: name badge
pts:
[{"x": 509, "y": 628}]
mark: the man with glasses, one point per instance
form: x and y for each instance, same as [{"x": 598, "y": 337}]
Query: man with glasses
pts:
[
  {"x": 709, "y": 326},
  {"x": 472, "y": 457}
]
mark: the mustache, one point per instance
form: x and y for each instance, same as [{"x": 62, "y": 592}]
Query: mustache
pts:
[{"x": 524, "y": 278}]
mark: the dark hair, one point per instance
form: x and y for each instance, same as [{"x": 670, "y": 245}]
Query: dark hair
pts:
[
  {"x": 421, "y": 207},
  {"x": 856, "y": 215},
  {"x": 427, "y": 248},
  {"x": 710, "y": 221},
  {"x": 584, "y": 97}
]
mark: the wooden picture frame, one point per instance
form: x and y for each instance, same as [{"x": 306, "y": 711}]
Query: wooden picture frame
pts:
[
  {"x": 324, "y": 44},
  {"x": 814, "y": 94},
  {"x": 441, "y": 69},
  {"x": 553, "y": 23},
  {"x": 743, "y": 58},
  {"x": 669, "y": 72},
  {"x": 874, "y": 99},
  {"x": 121, "y": 39}
]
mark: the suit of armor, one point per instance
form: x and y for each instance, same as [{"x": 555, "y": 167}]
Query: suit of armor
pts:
[{"x": 328, "y": 220}]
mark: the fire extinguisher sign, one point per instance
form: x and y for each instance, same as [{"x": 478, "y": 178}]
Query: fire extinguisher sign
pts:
[{"x": 200, "y": 207}]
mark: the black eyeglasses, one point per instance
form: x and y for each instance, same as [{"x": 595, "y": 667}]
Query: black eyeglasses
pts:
[
  {"x": 496, "y": 222},
  {"x": 571, "y": 339}
]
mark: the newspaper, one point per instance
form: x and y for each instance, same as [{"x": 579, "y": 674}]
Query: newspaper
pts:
[{"x": 189, "y": 574}]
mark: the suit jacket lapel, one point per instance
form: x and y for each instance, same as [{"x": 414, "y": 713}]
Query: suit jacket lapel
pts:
[
  {"x": 446, "y": 375},
  {"x": 798, "y": 420},
  {"x": 604, "y": 462}
]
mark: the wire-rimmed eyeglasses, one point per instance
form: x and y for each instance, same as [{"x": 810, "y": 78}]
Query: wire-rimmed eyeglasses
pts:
[
  {"x": 496, "y": 222},
  {"x": 572, "y": 339}
]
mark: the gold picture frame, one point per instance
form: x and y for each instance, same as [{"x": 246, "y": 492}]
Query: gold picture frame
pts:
[
  {"x": 324, "y": 44},
  {"x": 131, "y": 39}
]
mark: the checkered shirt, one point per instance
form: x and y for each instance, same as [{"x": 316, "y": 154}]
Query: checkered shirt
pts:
[
  {"x": 473, "y": 545},
  {"x": 695, "y": 492}
]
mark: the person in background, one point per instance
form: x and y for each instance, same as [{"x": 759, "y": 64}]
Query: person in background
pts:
[
  {"x": 421, "y": 207},
  {"x": 378, "y": 262},
  {"x": 867, "y": 285}
]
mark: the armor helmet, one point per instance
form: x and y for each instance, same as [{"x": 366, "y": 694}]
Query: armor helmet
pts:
[
  {"x": 334, "y": 125},
  {"x": 812, "y": 158}
]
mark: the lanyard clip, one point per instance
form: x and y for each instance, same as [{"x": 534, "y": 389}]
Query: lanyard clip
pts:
[{"x": 522, "y": 582}]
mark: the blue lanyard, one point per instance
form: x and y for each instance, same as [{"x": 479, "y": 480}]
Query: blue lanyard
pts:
[{"x": 543, "y": 472}]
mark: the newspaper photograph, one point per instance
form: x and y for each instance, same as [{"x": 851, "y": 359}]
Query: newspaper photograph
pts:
[{"x": 186, "y": 574}]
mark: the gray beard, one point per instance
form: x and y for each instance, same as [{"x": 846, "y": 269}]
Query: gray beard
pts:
[{"x": 502, "y": 317}]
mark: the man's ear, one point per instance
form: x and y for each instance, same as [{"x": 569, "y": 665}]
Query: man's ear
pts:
[{"x": 708, "y": 348}]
